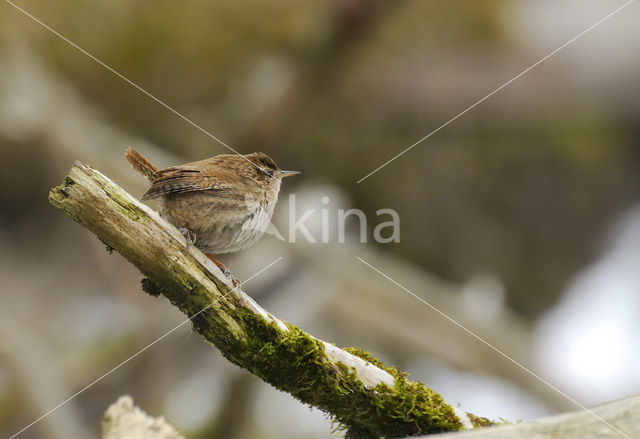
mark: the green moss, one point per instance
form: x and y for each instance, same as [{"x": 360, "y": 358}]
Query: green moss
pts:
[
  {"x": 150, "y": 287},
  {"x": 294, "y": 362},
  {"x": 127, "y": 207},
  {"x": 477, "y": 421}
]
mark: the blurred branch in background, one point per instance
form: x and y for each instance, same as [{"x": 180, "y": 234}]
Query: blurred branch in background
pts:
[
  {"x": 623, "y": 415},
  {"x": 38, "y": 104},
  {"x": 123, "y": 420}
]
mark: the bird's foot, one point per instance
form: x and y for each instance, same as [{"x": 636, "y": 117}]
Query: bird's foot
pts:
[
  {"x": 189, "y": 236},
  {"x": 235, "y": 281}
]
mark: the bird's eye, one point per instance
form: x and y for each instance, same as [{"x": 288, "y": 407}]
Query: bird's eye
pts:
[{"x": 270, "y": 173}]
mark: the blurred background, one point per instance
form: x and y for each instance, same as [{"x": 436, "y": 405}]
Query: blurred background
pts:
[{"x": 520, "y": 220}]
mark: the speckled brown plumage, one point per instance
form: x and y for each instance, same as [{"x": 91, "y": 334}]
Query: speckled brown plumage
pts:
[{"x": 226, "y": 201}]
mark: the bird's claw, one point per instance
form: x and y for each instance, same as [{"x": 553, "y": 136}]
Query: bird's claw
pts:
[
  {"x": 189, "y": 236},
  {"x": 234, "y": 281}
]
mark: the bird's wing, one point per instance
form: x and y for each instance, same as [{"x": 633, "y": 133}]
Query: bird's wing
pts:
[{"x": 184, "y": 179}]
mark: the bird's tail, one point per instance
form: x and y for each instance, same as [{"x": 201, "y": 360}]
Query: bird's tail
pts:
[{"x": 140, "y": 164}]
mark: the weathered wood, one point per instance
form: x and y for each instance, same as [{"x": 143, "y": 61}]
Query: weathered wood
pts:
[
  {"x": 364, "y": 396},
  {"x": 615, "y": 420},
  {"x": 123, "y": 420}
]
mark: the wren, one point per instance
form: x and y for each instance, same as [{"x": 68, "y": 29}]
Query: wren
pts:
[{"x": 222, "y": 204}]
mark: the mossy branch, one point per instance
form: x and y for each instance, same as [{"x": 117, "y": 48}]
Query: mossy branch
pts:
[{"x": 365, "y": 397}]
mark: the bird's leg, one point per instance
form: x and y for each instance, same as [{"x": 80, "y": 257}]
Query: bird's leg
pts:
[
  {"x": 189, "y": 236},
  {"x": 224, "y": 269}
]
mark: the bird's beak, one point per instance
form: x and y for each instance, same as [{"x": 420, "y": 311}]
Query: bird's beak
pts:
[{"x": 288, "y": 173}]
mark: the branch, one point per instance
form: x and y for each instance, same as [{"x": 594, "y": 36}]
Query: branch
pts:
[
  {"x": 355, "y": 389},
  {"x": 615, "y": 420},
  {"x": 123, "y": 420}
]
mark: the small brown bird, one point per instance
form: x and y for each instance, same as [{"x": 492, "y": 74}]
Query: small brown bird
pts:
[{"x": 222, "y": 204}]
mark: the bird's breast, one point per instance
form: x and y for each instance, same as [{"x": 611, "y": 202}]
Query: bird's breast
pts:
[{"x": 221, "y": 224}]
